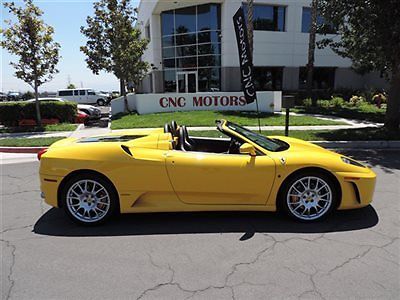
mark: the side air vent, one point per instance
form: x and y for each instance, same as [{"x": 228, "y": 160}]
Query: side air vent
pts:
[
  {"x": 126, "y": 149},
  {"x": 357, "y": 192}
]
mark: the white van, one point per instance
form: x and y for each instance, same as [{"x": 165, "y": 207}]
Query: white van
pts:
[{"x": 83, "y": 96}]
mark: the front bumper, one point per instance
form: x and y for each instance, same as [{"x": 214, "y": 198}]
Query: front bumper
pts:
[
  {"x": 357, "y": 189},
  {"x": 49, "y": 189}
]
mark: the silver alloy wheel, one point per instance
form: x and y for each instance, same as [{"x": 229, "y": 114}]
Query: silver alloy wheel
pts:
[
  {"x": 88, "y": 201},
  {"x": 309, "y": 198}
]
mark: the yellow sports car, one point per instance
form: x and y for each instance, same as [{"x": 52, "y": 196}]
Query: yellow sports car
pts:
[{"x": 166, "y": 170}]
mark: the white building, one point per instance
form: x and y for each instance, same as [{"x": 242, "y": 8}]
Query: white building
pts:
[{"x": 193, "y": 48}]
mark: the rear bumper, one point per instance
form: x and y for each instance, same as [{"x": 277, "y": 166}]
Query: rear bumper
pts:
[
  {"x": 357, "y": 189},
  {"x": 49, "y": 189}
]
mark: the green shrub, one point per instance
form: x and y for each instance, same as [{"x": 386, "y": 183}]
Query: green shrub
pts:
[
  {"x": 357, "y": 100},
  {"x": 337, "y": 102},
  {"x": 307, "y": 102},
  {"x": 12, "y": 112}
]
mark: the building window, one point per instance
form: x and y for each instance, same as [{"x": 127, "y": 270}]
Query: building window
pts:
[
  {"x": 322, "y": 25},
  {"x": 268, "y": 17},
  {"x": 147, "y": 32},
  {"x": 268, "y": 78},
  {"x": 323, "y": 78},
  {"x": 191, "y": 41}
]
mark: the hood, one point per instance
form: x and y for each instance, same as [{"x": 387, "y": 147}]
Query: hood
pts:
[{"x": 300, "y": 145}]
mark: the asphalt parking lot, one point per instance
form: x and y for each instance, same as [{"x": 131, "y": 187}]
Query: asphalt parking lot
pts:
[{"x": 354, "y": 254}]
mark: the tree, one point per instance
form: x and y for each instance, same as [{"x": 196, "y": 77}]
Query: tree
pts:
[
  {"x": 31, "y": 40},
  {"x": 71, "y": 86},
  {"x": 311, "y": 51},
  {"x": 370, "y": 37},
  {"x": 114, "y": 44}
]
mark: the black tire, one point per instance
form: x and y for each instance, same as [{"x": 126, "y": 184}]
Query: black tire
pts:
[
  {"x": 98, "y": 203},
  {"x": 101, "y": 102},
  {"x": 299, "y": 202}
]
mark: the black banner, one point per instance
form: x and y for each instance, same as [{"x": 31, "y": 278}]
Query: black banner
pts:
[{"x": 246, "y": 63}]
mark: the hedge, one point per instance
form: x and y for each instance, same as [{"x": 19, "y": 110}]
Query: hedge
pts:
[{"x": 12, "y": 112}]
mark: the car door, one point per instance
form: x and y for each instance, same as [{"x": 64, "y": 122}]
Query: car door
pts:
[
  {"x": 224, "y": 179},
  {"x": 82, "y": 96}
]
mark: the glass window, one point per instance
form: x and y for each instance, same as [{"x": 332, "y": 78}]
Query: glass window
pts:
[
  {"x": 170, "y": 81},
  {"x": 91, "y": 93},
  {"x": 209, "y": 49},
  {"x": 168, "y": 52},
  {"x": 82, "y": 92},
  {"x": 268, "y": 78},
  {"x": 185, "y": 39},
  {"x": 76, "y": 93},
  {"x": 209, "y": 80},
  {"x": 208, "y": 17},
  {"x": 323, "y": 26},
  {"x": 268, "y": 17},
  {"x": 209, "y": 37},
  {"x": 185, "y": 20},
  {"x": 209, "y": 61},
  {"x": 169, "y": 63},
  {"x": 168, "y": 41},
  {"x": 65, "y": 93},
  {"x": 323, "y": 78},
  {"x": 148, "y": 32},
  {"x": 186, "y": 51},
  {"x": 167, "y": 21},
  {"x": 186, "y": 62},
  {"x": 191, "y": 39}
]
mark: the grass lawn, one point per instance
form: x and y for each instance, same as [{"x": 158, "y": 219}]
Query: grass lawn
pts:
[
  {"x": 55, "y": 127},
  {"x": 363, "y": 134},
  {"x": 29, "y": 142},
  {"x": 365, "y": 112},
  {"x": 207, "y": 118}
]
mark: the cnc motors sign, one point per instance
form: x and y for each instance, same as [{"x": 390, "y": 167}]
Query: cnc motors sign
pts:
[
  {"x": 214, "y": 101},
  {"x": 218, "y": 101}
]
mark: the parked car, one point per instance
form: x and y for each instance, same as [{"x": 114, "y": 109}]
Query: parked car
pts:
[
  {"x": 84, "y": 96},
  {"x": 13, "y": 96},
  {"x": 93, "y": 112},
  {"x": 115, "y": 94},
  {"x": 3, "y": 96},
  {"x": 166, "y": 170}
]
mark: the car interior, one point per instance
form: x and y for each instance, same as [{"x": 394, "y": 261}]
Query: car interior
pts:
[{"x": 184, "y": 142}]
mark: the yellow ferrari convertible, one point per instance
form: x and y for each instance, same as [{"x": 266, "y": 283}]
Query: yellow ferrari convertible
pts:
[{"x": 166, "y": 170}]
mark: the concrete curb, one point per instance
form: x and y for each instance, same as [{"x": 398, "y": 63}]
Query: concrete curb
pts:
[
  {"x": 359, "y": 144},
  {"x": 21, "y": 149}
]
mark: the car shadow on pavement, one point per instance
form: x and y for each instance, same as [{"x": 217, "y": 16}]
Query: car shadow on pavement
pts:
[{"x": 55, "y": 223}]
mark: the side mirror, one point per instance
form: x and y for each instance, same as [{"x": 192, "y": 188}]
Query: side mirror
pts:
[{"x": 247, "y": 148}]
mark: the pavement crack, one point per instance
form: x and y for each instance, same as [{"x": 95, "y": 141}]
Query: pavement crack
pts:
[
  {"x": 10, "y": 272},
  {"x": 15, "y": 228},
  {"x": 358, "y": 256}
]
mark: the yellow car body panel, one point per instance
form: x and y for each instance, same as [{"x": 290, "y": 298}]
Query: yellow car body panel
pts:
[{"x": 150, "y": 176}]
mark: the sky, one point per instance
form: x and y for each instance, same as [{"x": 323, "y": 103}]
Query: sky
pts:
[{"x": 66, "y": 17}]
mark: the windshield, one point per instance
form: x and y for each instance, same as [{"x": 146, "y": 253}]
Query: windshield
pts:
[{"x": 261, "y": 140}]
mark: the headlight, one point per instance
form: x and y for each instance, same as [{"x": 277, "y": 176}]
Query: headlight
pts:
[{"x": 353, "y": 162}]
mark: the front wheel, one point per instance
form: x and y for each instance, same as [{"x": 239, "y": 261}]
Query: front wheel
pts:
[
  {"x": 309, "y": 197},
  {"x": 89, "y": 199}
]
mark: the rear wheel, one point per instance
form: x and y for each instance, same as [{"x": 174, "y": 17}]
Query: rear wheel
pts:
[
  {"x": 89, "y": 199},
  {"x": 309, "y": 197},
  {"x": 101, "y": 102}
]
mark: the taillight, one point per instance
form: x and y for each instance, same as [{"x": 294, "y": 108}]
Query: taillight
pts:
[{"x": 40, "y": 153}]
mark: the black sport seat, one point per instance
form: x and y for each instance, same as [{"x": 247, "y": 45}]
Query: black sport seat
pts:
[{"x": 185, "y": 143}]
